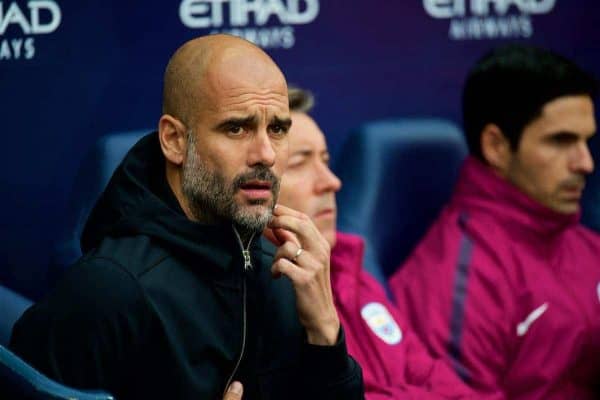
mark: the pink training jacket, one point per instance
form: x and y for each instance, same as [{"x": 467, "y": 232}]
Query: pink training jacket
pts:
[
  {"x": 395, "y": 364},
  {"x": 508, "y": 292}
]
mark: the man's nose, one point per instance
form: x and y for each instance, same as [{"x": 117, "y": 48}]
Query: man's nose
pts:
[
  {"x": 328, "y": 181},
  {"x": 581, "y": 160},
  {"x": 261, "y": 150}
]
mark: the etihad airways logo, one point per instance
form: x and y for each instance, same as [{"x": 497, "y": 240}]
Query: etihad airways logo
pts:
[
  {"x": 19, "y": 25},
  {"x": 267, "y": 23},
  {"x": 488, "y": 19}
]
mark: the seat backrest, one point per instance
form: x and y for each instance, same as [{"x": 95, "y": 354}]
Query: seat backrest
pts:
[
  {"x": 94, "y": 173},
  {"x": 591, "y": 196},
  {"x": 19, "y": 380},
  {"x": 397, "y": 174},
  {"x": 12, "y": 306}
]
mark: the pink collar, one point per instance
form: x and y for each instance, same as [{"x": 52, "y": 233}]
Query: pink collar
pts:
[{"x": 480, "y": 188}]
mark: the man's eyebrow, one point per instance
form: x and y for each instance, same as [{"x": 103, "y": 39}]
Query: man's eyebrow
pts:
[
  {"x": 567, "y": 133},
  {"x": 284, "y": 122},
  {"x": 241, "y": 121}
]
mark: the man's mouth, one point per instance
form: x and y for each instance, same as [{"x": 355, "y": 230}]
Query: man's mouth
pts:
[
  {"x": 574, "y": 191},
  {"x": 256, "y": 190},
  {"x": 325, "y": 213}
]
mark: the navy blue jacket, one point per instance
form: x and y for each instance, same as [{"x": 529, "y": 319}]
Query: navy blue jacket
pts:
[{"x": 163, "y": 307}]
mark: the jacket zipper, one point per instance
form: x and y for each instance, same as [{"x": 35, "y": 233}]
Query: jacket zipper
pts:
[{"x": 247, "y": 266}]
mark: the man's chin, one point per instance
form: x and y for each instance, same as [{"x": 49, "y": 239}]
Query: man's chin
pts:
[
  {"x": 566, "y": 207},
  {"x": 253, "y": 217},
  {"x": 327, "y": 230}
]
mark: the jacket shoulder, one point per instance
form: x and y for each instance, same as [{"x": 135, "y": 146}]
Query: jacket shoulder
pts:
[
  {"x": 135, "y": 255},
  {"x": 95, "y": 287}
]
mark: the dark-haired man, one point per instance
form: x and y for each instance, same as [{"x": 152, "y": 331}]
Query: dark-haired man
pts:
[
  {"x": 506, "y": 284},
  {"x": 175, "y": 297}
]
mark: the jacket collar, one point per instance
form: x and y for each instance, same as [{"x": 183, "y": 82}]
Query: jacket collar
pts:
[
  {"x": 347, "y": 254},
  {"x": 480, "y": 188},
  {"x": 138, "y": 201}
]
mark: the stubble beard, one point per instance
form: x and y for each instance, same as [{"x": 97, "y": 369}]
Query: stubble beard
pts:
[{"x": 211, "y": 199}]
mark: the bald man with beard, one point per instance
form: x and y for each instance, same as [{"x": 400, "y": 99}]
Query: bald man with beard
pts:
[{"x": 178, "y": 295}]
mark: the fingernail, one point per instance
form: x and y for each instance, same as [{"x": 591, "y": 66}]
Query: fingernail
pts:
[{"x": 235, "y": 387}]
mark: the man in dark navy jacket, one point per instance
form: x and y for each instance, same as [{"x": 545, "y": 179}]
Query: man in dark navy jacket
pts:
[{"x": 175, "y": 296}]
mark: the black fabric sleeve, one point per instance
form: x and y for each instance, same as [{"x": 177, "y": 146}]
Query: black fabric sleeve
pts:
[
  {"x": 331, "y": 373},
  {"x": 82, "y": 334}
]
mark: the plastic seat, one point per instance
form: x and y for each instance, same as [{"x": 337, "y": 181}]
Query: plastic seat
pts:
[
  {"x": 590, "y": 202},
  {"x": 397, "y": 174},
  {"x": 93, "y": 176},
  {"x": 18, "y": 380},
  {"x": 12, "y": 306}
]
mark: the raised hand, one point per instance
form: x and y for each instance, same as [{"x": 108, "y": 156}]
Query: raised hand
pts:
[{"x": 303, "y": 256}]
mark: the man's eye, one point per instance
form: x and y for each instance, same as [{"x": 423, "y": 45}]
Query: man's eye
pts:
[
  {"x": 278, "y": 130},
  {"x": 234, "y": 129},
  {"x": 295, "y": 162},
  {"x": 564, "y": 139}
]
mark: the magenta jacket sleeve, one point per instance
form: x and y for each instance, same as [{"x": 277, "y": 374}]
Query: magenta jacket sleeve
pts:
[
  {"x": 395, "y": 364},
  {"x": 459, "y": 305}
]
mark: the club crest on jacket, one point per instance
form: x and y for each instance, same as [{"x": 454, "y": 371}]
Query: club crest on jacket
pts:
[{"x": 381, "y": 323}]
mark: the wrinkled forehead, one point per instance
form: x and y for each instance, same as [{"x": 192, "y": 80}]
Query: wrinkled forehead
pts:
[{"x": 238, "y": 76}]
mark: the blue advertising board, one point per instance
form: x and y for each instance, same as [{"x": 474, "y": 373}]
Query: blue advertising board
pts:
[{"x": 72, "y": 71}]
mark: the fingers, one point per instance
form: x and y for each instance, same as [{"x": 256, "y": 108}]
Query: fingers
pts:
[
  {"x": 272, "y": 237},
  {"x": 283, "y": 210},
  {"x": 309, "y": 274},
  {"x": 299, "y": 276},
  {"x": 287, "y": 252},
  {"x": 285, "y": 236},
  {"x": 297, "y": 227},
  {"x": 234, "y": 391}
]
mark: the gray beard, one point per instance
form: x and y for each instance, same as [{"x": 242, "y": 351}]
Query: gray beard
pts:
[{"x": 211, "y": 198}]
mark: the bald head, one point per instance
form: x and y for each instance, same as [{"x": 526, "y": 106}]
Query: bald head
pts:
[
  {"x": 225, "y": 123},
  {"x": 202, "y": 67}
]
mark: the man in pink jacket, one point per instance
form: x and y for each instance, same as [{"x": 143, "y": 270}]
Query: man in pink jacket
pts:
[
  {"x": 395, "y": 365},
  {"x": 506, "y": 284}
]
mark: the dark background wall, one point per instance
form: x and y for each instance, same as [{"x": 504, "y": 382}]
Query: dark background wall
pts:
[{"x": 71, "y": 71}]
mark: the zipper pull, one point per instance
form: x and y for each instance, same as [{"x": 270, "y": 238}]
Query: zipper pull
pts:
[{"x": 247, "y": 260}]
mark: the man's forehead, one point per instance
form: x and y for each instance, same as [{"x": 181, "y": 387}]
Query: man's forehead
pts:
[
  {"x": 238, "y": 69},
  {"x": 567, "y": 113},
  {"x": 228, "y": 95},
  {"x": 305, "y": 135}
]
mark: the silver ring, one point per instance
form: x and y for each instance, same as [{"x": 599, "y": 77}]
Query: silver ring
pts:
[{"x": 298, "y": 252}]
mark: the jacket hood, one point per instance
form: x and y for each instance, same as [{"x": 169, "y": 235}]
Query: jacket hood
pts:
[
  {"x": 139, "y": 201},
  {"x": 480, "y": 188}
]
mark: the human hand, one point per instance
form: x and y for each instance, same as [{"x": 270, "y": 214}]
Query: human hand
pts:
[
  {"x": 234, "y": 391},
  {"x": 303, "y": 256}
]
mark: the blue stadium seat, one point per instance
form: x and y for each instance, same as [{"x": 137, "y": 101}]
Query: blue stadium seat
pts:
[
  {"x": 94, "y": 173},
  {"x": 397, "y": 174},
  {"x": 591, "y": 196},
  {"x": 12, "y": 306},
  {"x": 18, "y": 380}
]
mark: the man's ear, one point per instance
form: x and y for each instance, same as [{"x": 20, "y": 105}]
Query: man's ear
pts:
[
  {"x": 173, "y": 140},
  {"x": 495, "y": 148}
]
